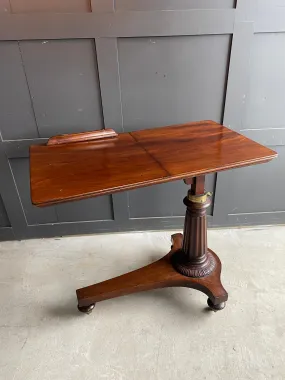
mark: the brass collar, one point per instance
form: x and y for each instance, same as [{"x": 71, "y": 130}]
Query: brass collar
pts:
[{"x": 198, "y": 198}]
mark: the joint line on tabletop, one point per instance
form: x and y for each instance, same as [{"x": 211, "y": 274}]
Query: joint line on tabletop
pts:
[{"x": 142, "y": 146}]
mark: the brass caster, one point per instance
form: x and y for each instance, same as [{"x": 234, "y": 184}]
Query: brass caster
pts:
[
  {"x": 219, "y": 306},
  {"x": 86, "y": 309}
]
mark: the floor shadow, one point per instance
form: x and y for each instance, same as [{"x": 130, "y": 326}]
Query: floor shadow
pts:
[
  {"x": 68, "y": 310},
  {"x": 170, "y": 297},
  {"x": 208, "y": 310},
  {"x": 186, "y": 307}
]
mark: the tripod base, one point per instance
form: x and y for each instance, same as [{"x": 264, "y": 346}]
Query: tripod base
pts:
[{"x": 160, "y": 274}]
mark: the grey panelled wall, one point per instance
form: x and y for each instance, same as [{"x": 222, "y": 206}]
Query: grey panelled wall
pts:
[{"x": 77, "y": 65}]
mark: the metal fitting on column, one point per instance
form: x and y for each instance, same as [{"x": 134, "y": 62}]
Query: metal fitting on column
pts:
[{"x": 198, "y": 198}]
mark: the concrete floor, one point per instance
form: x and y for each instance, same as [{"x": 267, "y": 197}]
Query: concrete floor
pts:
[{"x": 158, "y": 335}]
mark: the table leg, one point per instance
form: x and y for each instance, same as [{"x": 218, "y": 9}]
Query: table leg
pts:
[{"x": 189, "y": 264}]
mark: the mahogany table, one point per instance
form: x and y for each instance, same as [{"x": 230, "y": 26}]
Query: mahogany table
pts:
[{"x": 72, "y": 167}]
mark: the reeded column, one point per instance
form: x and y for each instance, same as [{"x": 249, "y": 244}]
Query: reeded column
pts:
[{"x": 194, "y": 260}]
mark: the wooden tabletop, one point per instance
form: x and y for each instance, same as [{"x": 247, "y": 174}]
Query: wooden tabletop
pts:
[{"x": 61, "y": 173}]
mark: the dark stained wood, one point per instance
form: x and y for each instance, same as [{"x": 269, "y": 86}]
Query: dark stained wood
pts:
[
  {"x": 195, "y": 260},
  {"x": 160, "y": 274},
  {"x": 198, "y": 185},
  {"x": 82, "y": 170},
  {"x": 81, "y": 137},
  {"x": 188, "y": 181},
  {"x": 201, "y": 148}
]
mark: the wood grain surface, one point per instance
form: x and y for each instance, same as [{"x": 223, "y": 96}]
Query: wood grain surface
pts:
[
  {"x": 137, "y": 159},
  {"x": 82, "y": 137}
]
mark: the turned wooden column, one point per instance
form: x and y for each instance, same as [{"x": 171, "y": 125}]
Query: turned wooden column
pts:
[{"x": 194, "y": 259}]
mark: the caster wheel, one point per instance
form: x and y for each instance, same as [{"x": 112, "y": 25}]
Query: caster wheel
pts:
[
  {"x": 86, "y": 309},
  {"x": 219, "y": 306}
]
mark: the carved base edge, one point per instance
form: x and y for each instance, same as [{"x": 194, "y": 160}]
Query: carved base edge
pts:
[{"x": 180, "y": 263}]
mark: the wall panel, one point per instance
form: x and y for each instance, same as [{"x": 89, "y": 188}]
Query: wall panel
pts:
[
  {"x": 17, "y": 119},
  {"x": 27, "y": 6},
  {"x": 154, "y": 63},
  {"x": 258, "y": 190},
  {"x": 143, "y": 5},
  {"x": 172, "y": 80},
  {"x": 63, "y": 81}
]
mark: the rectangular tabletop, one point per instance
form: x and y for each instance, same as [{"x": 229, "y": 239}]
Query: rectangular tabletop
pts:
[{"x": 82, "y": 170}]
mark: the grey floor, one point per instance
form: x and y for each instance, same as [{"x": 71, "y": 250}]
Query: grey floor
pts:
[{"x": 158, "y": 335}]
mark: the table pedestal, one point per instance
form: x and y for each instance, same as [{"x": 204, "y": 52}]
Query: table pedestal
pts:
[{"x": 189, "y": 263}]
